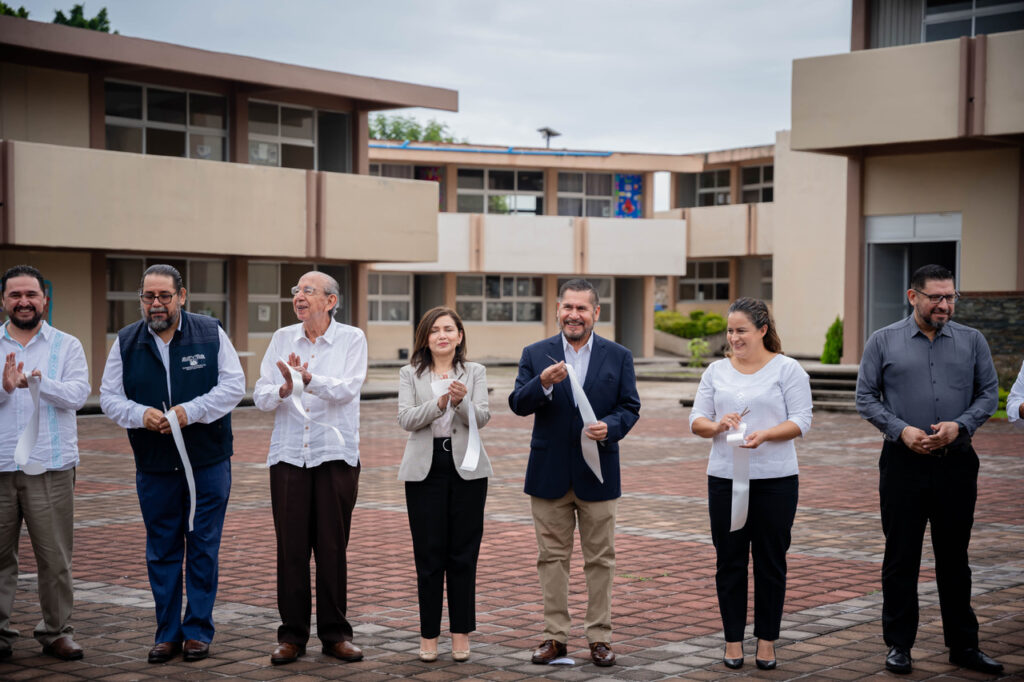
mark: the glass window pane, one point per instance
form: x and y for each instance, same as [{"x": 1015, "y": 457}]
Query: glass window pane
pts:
[
  {"x": 121, "y": 314},
  {"x": 263, "y": 278},
  {"x": 394, "y": 285},
  {"x": 570, "y": 206},
  {"x": 499, "y": 311},
  {"x": 492, "y": 286},
  {"x": 296, "y": 156},
  {"x": 722, "y": 198},
  {"x": 722, "y": 178},
  {"x": 706, "y": 199},
  {"x": 722, "y": 292},
  {"x": 599, "y": 184},
  {"x": 501, "y": 179},
  {"x": 123, "y": 100},
  {"x": 769, "y": 173},
  {"x": 396, "y": 170},
  {"x": 124, "y": 274},
  {"x": 165, "y": 142},
  {"x": 394, "y": 311},
  {"x": 208, "y": 111},
  {"x": 508, "y": 287},
  {"x": 209, "y": 147},
  {"x": 525, "y": 203},
  {"x": 706, "y": 179},
  {"x": 686, "y": 291},
  {"x": 722, "y": 269},
  {"x": 766, "y": 267},
  {"x": 470, "y": 311},
  {"x": 947, "y": 30},
  {"x": 165, "y": 106},
  {"x": 471, "y": 178},
  {"x": 470, "y": 203},
  {"x": 706, "y": 269},
  {"x": 531, "y": 181},
  {"x": 603, "y": 286},
  {"x": 469, "y": 285},
  {"x": 216, "y": 309},
  {"x": 124, "y": 139},
  {"x": 529, "y": 286},
  {"x": 207, "y": 277},
  {"x": 264, "y": 317},
  {"x": 528, "y": 312},
  {"x": 997, "y": 23},
  {"x": 500, "y": 203},
  {"x": 374, "y": 169},
  {"x": 752, "y": 175},
  {"x": 942, "y": 6},
  {"x": 263, "y": 153},
  {"x": 599, "y": 208},
  {"x": 297, "y": 123},
  {"x": 751, "y": 196},
  {"x": 606, "y": 311},
  {"x": 570, "y": 182},
  {"x": 262, "y": 118},
  {"x": 767, "y": 194},
  {"x": 373, "y": 311},
  {"x": 291, "y": 273}
]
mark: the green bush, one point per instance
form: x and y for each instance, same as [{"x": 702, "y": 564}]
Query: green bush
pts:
[
  {"x": 698, "y": 350},
  {"x": 697, "y": 325},
  {"x": 1003, "y": 395},
  {"x": 713, "y": 324},
  {"x": 833, "y": 350},
  {"x": 696, "y": 315}
]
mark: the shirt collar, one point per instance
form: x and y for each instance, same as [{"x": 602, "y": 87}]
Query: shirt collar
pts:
[
  {"x": 45, "y": 331},
  {"x": 328, "y": 336},
  {"x": 589, "y": 345},
  {"x": 913, "y": 329}
]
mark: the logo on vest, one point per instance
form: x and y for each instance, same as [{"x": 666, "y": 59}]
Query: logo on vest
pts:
[{"x": 191, "y": 362}]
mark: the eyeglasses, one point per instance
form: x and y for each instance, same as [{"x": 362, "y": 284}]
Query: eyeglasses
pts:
[
  {"x": 149, "y": 297},
  {"x": 308, "y": 291},
  {"x": 938, "y": 298}
]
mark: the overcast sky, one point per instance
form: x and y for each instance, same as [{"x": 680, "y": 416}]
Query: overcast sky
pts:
[{"x": 670, "y": 76}]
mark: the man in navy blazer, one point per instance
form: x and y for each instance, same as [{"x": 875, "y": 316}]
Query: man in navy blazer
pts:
[{"x": 563, "y": 488}]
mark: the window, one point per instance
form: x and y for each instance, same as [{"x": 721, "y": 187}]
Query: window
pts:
[
  {"x": 705, "y": 281},
  {"x": 713, "y": 188},
  {"x": 757, "y": 183},
  {"x": 944, "y": 19},
  {"x": 270, "y": 293},
  {"x": 165, "y": 122},
  {"x": 205, "y": 281},
  {"x": 281, "y": 135},
  {"x": 766, "y": 279},
  {"x": 499, "y": 298},
  {"x": 585, "y": 194},
  {"x": 493, "y": 190},
  {"x": 605, "y": 289},
  {"x": 390, "y": 297}
]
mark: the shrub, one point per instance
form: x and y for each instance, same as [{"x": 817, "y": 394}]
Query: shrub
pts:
[
  {"x": 833, "y": 350},
  {"x": 696, "y": 315},
  {"x": 713, "y": 324},
  {"x": 698, "y": 323},
  {"x": 698, "y": 350}
]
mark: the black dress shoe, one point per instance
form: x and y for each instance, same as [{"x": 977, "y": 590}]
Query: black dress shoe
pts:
[
  {"x": 548, "y": 651},
  {"x": 975, "y": 659},
  {"x": 164, "y": 651},
  {"x": 898, "y": 661}
]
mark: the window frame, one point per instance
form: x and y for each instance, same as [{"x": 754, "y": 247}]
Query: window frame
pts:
[
  {"x": 280, "y": 139},
  {"x": 514, "y": 299},
  {"x": 144, "y": 123},
  {"x": 374, "y": 300},
  {"x": 584, "y": 196},
  {"x": 973, "y": 13},
  {"x": 487, "y": 193},
  {"x": 693, "y": 278},
  {"x": 760, "y": 186},
  {"x": 715, "y": 190}
]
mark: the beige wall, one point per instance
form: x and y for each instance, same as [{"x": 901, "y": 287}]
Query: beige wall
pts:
[
  {"x": 71, "y": 305},
  {"x": 544, "y": 244},
  {"x": 717, "y": 231},
  {"x": 1004, "y": 84},
  {"x": 764, "y": 227},
  {"x": 44, "y": 105},
  {"x": 116, "y": 200},
  {"x": 890, "y": 95},
  {"x": 636, "y": 247},
  {"x": 372, "y": 218},
  {"x": 983, "y": 185},
  {"x": 384, "y": 340},
  {"x": 809, "y": 254}
]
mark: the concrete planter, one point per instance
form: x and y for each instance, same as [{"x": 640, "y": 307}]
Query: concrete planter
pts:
[{"x": 677, "y": 345}]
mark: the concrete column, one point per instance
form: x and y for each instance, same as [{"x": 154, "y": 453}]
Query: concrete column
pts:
[
  {"x": 361, "y": 142},
  {"x": 97, "y": 112},
  {"x": 98, "y": 291},
  {"x": 853, "y": 287},
  {"x": 451, "y": 188},
  {"x": 449, "y": 289},
  {"x": 360, "y": 288},
  {"x": 550, "y": 191},
  {"x": 648, "y": 200},
  {"x": 735, "y": 188},
  {"x": 734, "y": 278},
  {"x": 648, "y": 309},
  {"x": 550, "y": 305},
  {"x": 238, "y": 125}
]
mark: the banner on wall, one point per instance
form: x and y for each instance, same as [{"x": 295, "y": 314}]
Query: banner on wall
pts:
[{"x": 630, "y": 191}]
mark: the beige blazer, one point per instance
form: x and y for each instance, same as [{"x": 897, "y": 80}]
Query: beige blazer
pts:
[{"x": 417, "y": 409}]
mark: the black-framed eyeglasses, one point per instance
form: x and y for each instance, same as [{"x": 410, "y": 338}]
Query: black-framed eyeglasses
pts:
[
  {"x": 163, "y": 297},
  {"x": 935, "y": 299}
]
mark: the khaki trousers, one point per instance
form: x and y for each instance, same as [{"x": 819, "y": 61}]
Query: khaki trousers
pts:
[
  {"x": 555, "y": 523},
  {"x": 47, "y": 505}
]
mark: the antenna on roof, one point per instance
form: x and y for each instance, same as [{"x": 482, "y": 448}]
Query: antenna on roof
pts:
[{"x": 548, "y": 133}]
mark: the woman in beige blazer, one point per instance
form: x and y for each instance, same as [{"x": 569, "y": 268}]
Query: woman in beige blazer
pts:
[{"x": 445, "y": 500}]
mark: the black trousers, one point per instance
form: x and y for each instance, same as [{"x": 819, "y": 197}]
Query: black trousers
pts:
[
  {"x": 446, "y": 518},
  {"x": 766, "y": 535},
  {"x": 915, "y": 490},
  {"x": 312, "y": 510}
]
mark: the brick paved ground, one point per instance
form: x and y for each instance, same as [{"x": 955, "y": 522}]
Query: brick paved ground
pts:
[{"x": 665, "y": 615}]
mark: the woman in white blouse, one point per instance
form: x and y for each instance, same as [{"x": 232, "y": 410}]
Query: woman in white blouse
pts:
[
  {"x": 771, "y": 395},
  {"x": 439, "y": 393}
]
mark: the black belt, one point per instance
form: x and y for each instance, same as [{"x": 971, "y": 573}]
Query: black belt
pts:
[{"x": 442, "y": 445}]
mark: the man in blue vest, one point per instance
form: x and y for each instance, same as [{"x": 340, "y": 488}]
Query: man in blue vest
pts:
[{"x": 185, "y": 362}]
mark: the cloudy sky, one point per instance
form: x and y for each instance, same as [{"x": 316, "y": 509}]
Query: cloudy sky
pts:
[{"x": 670, "y": 76}]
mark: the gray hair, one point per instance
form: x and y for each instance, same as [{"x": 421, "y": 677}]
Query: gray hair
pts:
[{"x": 331, "y": 286}]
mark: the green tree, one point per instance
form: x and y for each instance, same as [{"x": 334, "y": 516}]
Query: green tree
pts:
[
  {"x": 397, "y": 127},
  {"x": 833, "y": 351},
  {"x": 100, "y": 22},
  {"x": 8, "y": 11}
]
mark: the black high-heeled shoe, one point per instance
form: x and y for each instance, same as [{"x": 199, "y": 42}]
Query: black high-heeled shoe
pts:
[
  {"x": 733, "y": 663},
  {"x": 765, "y": 663}
]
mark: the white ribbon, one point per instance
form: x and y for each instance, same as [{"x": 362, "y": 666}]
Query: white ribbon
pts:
[
  {"x": 296, "y": 397},
  {"x": 740, "y": 477},
  {"x": 27, "y": 441},
  {"x": 589, "y": 446},
  {"x": 472, "y": 457},
  {"x": 172, "y": 418}
]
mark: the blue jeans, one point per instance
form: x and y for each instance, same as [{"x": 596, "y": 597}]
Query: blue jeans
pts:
[{"x": 163, "y": 498}]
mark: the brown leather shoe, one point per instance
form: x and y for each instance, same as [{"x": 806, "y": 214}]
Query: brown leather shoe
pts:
[
  {"x": 346, "y": 651},
  {"x": 286, "y": 652},
  {"x": 548, "y": 651},
  {"x": 164, "y": 651},
  {"x": 194, "y": 650},
  {"x": 601, "y": 654},
  {"x": 64, "y": 648}
]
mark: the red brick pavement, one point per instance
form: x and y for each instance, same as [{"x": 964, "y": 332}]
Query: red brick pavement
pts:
[{"x": 665, "y": 614}]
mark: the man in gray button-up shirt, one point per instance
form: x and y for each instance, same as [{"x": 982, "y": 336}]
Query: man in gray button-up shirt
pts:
[{"x": 927, "y": 383}]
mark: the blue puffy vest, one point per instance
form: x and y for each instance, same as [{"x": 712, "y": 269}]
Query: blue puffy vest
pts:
[{"x": 193, "y": 367}]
